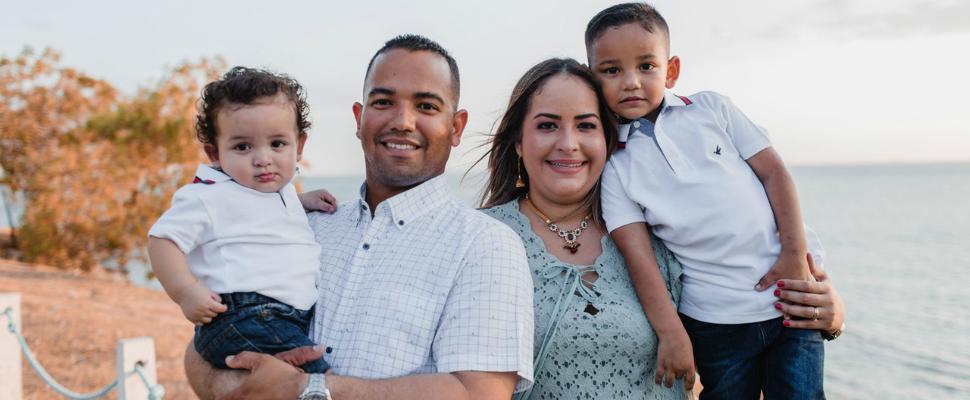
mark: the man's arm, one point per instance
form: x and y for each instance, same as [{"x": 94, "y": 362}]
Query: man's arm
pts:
[
  {"x": 272, "y": 378},
  {"x": 210, "y": 383},
  {"x": 456, "y": 385},
  {"x": 780, "y": 188}
]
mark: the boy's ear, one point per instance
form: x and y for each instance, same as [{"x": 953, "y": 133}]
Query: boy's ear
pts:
[
  {"x": 673, "y": 71},
  {"x": 212, "y": 153},
  {"x": 301, "y": 140}
]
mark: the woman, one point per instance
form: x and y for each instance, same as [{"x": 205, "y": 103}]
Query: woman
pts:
[{"x": 593, "y": 339}]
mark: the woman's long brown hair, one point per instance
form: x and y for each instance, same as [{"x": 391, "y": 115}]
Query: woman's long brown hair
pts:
[{"x": 504, "y": 163}]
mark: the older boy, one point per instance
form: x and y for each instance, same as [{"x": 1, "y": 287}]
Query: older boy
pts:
[{"x": 709, "y": 184}]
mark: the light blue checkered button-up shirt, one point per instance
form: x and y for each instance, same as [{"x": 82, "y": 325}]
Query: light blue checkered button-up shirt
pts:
[{"x": 426, "y": 285}]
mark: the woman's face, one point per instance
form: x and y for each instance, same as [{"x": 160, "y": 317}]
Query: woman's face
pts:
[{"x": 563, "y": 146}]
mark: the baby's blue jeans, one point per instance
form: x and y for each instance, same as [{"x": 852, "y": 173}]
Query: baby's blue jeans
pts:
[{"x": 258, "y": 323}]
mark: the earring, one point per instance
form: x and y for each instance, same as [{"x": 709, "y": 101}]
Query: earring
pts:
[{"x": 519, "y": 183}]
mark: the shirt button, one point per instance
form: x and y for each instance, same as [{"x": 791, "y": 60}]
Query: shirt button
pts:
[
  {"x": 366, "y": 246},
  {"x": 636, "y": 124},
  {"x": 401, "y": 222}
]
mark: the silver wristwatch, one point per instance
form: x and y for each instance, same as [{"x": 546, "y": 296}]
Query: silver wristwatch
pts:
[{"x": 316, "y": 388}]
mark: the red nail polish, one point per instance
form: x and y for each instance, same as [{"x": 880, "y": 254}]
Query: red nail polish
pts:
[
  {"x": 777, "y": 293},
  {"x": 778, "y": 306},
  {"x": 787, "y": 323},
  {"x": 781, "y": 284}
]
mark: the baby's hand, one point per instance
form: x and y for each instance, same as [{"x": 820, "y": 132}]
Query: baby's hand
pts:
[
  {"x": 199, "y": 304},
  {"x": 787, "y": 267},
  {"x": 319, "y": 199}
]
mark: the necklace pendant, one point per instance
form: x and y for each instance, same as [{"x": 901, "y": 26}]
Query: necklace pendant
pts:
[{"x": 572, "y": 247}]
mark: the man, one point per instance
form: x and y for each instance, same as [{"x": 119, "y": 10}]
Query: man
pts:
[{"x": 420, "y": 296}]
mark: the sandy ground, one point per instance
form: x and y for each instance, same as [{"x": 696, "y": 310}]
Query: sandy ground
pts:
[{"x": 72, "y": 322}]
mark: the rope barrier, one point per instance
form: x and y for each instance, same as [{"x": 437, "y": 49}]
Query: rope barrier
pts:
[{"x": 155, "y": 392}]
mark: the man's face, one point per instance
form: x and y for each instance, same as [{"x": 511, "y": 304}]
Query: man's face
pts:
[{"x": 408, "y": 123}]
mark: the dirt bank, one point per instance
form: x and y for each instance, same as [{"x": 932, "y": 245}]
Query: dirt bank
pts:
[{"x": 73, "y": 321}]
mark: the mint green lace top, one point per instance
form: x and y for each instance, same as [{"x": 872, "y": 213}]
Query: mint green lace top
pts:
[{"x": 591, "y": 342}]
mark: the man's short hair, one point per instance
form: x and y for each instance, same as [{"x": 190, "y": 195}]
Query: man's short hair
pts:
[
  {"x": 242, "y": 85},
  {"x": 412, "y": 42},
  {"x": 622, "y": 14}
]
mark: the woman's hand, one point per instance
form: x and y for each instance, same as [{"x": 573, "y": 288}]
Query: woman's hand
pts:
[
  {"x": 318, "y": 200},
  {"x": 818, "y": 303}
]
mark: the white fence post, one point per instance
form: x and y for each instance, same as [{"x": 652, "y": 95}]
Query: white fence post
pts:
[
  {"x": 132, "y": 352},
  {"x": 11, "y": 375}
]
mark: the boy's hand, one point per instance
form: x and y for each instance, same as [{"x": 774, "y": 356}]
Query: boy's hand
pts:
[
  {"x": 199, "y": 304},
  {"x": 318, "y": 200},
  {"x": 675, "y": 360},
  {"x": 788, "y": 266}
]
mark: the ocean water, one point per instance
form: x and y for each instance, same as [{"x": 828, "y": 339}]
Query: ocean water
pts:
[{"x": 898, "y": 250}]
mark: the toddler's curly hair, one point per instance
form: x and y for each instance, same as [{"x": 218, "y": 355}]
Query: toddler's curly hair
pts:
[{"x": 242, "y": 85}]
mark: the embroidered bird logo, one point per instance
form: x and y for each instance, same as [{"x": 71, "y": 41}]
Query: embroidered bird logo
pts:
[{"x": 718, "y": 150}]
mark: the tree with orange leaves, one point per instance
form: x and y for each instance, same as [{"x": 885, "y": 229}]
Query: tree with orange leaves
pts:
[{"x": 92, "y": 166}]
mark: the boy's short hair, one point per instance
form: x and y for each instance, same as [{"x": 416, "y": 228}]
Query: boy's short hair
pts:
[
  {"x": 242, "y": 85},
  {"x": 412, "y": 42},
  {"x": 622, "y": 14}
]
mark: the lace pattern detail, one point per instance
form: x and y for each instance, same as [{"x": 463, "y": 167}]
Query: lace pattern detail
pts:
[{"x": 608, "y": 352}]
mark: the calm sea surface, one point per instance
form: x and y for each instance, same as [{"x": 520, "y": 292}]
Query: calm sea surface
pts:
[{"x": 898, "y": 243}]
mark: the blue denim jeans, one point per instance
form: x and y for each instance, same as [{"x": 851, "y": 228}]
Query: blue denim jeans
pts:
[
  {"x": 739, "y": 361},
  {"x": 258, "y": 323}
]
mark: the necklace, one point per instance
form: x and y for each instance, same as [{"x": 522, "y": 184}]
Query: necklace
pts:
[{"x": 569, "y": 236}]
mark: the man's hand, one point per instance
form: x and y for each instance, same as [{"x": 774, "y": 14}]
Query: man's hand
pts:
[
  {"x": 301, "y": 355},
  {"x": 318, "y": 200},
  {"x": 199, "y": 304},
  {"x": 789, "y": 266},
  {"x": 675, "y": 360},
  {"x": 270, "y": 378}
]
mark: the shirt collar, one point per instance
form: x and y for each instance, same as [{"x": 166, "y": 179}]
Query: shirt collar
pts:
[
  {"x": 673, "y": 100},
  {"x": 208, "y": 173},
  {"x": 413, "y": 203},
  {"x": 670, "y": 100}
]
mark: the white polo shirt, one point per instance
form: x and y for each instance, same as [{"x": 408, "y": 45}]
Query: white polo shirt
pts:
[
  {"x": 238, "y": 239},
  {"x": 426, "y": 285},
  {"x": 688, "y": 179}
]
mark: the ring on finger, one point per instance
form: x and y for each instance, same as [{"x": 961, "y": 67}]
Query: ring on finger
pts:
[{"x": 814, "y": 313}]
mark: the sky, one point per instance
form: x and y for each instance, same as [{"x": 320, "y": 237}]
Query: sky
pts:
[{"x": 834, "y": 82}]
